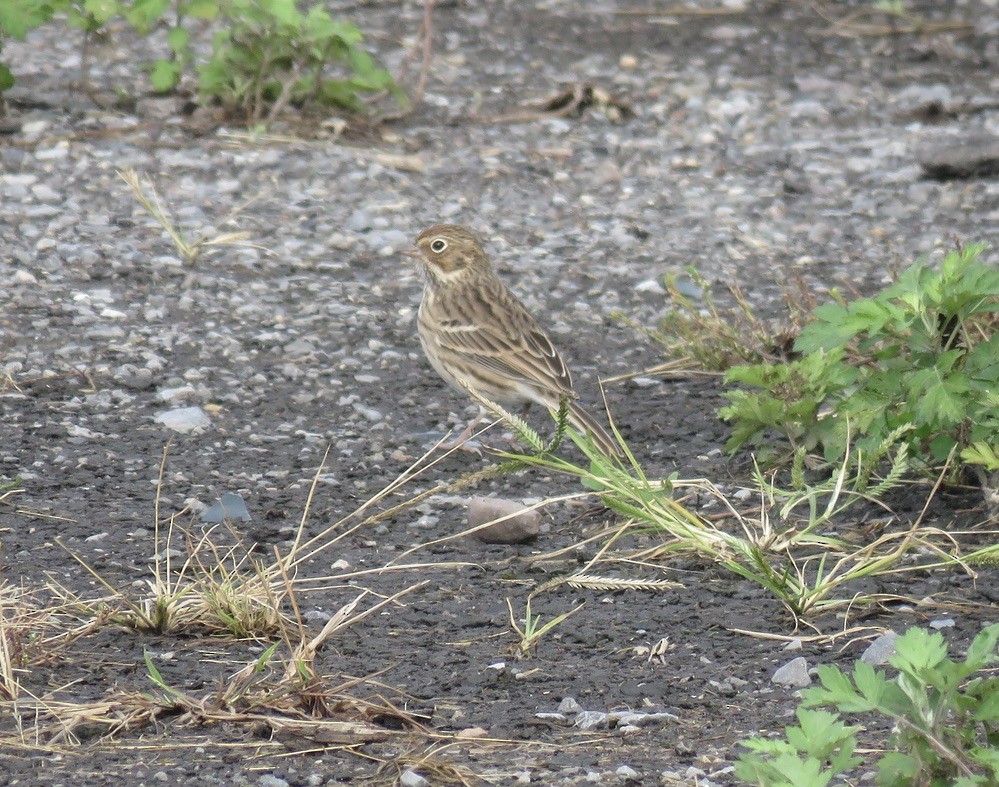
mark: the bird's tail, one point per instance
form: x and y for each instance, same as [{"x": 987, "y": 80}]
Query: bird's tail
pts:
[{"x": 582, "y": 420}]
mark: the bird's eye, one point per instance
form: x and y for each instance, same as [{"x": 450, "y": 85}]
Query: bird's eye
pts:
[{"x": 438, "y": 246}]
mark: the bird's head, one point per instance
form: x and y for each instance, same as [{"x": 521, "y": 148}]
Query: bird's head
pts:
[{"x": 448, "y": 252}]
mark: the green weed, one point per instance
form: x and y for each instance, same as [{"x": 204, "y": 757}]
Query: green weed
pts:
[
  {"x": 945, "y": 716},
  {"x": 919, "y": 361},
  {"x": 265, "y": 54}
]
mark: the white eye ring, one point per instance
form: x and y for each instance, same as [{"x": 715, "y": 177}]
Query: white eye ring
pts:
[{"x": 438, "y": 245}]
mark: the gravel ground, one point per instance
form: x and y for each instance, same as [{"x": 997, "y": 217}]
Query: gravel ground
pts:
[{"x": 762, "y": 148}]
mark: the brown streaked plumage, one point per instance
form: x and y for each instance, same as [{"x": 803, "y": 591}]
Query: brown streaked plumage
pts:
[{"x": 475, "y": 330}]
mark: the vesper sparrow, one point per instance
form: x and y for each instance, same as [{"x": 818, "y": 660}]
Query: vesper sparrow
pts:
[{"x": 475, "y": 331}]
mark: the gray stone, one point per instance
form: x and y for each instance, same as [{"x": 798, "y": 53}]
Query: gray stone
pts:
[
  {"x": 230, "y": 507},
  {"x": 138, "y": 378},
  {"x": 412, "y": 779},
  {"x": 882, "y": 649},
  {"x": 971, "y": 156},
  {"x": 590, "y": 719},
  {"x": 794, "y": 674},
  {"x": 22, "y": 277},
  {"x": 359, "y": 221},
  {"x": 184, "y": 419},
  {"x": 518, "y": 524},
  {"x": 179, "y": 394}
]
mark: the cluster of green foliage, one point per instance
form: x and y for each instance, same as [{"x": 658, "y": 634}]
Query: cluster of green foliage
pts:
[
  {"x": 919, "y": 360},
  {"x": 264, "y": 54},
  {"x": 16, "y": 19},
  {"x": 946, "y": 722}
]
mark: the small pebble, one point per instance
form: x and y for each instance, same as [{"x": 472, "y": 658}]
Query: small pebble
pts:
[
  {"x": 184, "y": 419},
  {"x": 412, "y": 779},
  {"x": 590, "y": 719},
  {"x": 793, "y": 674},
  {"x": 880, "y": 650}
]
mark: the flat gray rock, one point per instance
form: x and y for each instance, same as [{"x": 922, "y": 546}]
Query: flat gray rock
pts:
[
  {"x": 230, "y": 506},
  {"x": 184, "y": 419},
  {"x": 968, "y": 157}
]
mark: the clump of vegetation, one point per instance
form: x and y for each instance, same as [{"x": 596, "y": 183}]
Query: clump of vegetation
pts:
[
  {"x": 273, "y": 55},
  {"x": 919, "y": 360},
  {"x": 700, "y": 330},
  {"x": 16, "y": 19},
  {"x": 265, "y": 54},
  {"x": 529, "y": 629},
  {"x": 792, "y": 555},
  {"x": 945, "y": 716}
]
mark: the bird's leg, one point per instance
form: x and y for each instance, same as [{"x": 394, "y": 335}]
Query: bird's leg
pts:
[{"x": 461, "y": 441}]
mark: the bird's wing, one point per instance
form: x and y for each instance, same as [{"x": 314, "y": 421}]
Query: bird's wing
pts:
[{"x": 500, "y": 335}]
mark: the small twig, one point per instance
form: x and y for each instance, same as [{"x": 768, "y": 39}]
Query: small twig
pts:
[
  {"x": 287, "y": 86},
  {"x": 911, "y": 24},
  {"x": 425, "y": 37},
  {"x": 677, "y": 11},
  {"x": 428, "y": 35}
]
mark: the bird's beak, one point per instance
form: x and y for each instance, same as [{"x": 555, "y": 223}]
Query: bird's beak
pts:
[{"x": 411, "y": 253}]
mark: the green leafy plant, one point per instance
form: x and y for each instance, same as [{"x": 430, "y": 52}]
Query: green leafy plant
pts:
[
  {"x": 922, "y": 357},
  {"x": 946, "y": 720},
  {"x": 817, "y": 749},
  {"x": 16, "y": 19},
  {"x": 265, "y": 54},
  {"x": 273, "y": 54}
]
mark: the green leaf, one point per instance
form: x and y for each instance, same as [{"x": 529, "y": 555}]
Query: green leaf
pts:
[
  {"x": 988, "y": 707},
  {"x": 872, "y": 684},
  {"x": 20, "y": 16},
  {"x": 143, "y": 14},
  {"x": 178, "y": 39},
  {"x": 941, "y": 446},
  {"x": 820, "y": 734},
  {"x": 982, "y": 363},
  {"x": 102, "y": 10},
  {"x": 165, "y": 75},
  {"x": 283, "y": 10},
  {"x": 837, "y": 690},
  {"x": 984, "y": 648},
  {"x": 987, "y": 757},
  {"x": 769, "y": 746},
  {"x": 799, "y": 771},
  {"x": 918, "y": 651},
  {"x": 896, "y": 769},
  {"x": 835, "y": 325},
  {"x": 203, "y": 9},
  {"x": 6, "y": 78}
]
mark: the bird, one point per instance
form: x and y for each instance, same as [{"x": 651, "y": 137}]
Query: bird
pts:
[{"x": 479, "y": 337}]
